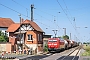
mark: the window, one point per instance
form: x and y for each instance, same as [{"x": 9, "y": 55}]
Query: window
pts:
[
  {"x": 30, "y": 37},
  {"x": 39, "y": 37}
]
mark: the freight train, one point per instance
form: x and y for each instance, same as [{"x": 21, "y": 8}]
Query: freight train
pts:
[{"x": 58, "y": 44}]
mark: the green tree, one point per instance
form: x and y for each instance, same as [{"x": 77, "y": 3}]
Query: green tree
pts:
[
  {"x": 3, "y": 37},
  {"x": 66, "y": 37},
  {"x": 84, "y": 42},
  {"x": 59, "y": 37}
]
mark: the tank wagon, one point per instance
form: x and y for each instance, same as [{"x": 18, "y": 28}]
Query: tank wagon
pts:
[{"x": 73, "y": 43}]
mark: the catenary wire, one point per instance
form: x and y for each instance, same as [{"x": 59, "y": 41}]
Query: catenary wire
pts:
[
  {"x": 67, "y": 8},
  {"x": 67, "y": 16}
]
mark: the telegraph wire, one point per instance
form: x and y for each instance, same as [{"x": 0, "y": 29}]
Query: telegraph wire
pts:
[
  {"x": 28, "y": 9},
  {"x": 39, "y": 15},
  {"x": 36, "y": 13},
  {"x": 51, "y": 21},
  {"x": 44, "y": 17},
  {"x": 13, "y": 10},
  {"x": 20, "y": 4},
  {"x": 48, "y": 13},
  {"x": 67, "y": 8},
  {"x": 44, "y": 24},
  {"x": 67, "y": 16},
  {"x": 64, "y": 12},
  {"x": 45, "y": 12},
  {"x": 19, "y": 13},
  {"x": 37, "y": 9}
]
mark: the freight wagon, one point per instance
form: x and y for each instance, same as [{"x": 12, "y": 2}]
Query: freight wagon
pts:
[{"x": 58, "y": 44}]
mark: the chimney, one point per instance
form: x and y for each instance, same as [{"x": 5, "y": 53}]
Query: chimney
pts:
[{"x": 32, "y": 6}]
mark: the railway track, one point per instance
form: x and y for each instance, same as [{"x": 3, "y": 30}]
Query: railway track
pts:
[
  {"x": 62, "y": 55},
  {"x": 73, "y": 55}
]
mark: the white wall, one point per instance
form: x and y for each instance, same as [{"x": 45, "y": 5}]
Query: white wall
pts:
[
  {"x": 3, "y": 30},
  {"x": 33, "y": 46}
]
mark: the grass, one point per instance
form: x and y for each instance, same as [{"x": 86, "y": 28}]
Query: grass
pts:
[{"x": 86, "y": 47}]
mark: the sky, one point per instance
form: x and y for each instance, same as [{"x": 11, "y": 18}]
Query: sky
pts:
[{"x": 74, "y": 15}]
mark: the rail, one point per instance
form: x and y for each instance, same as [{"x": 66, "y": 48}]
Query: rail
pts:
[{"x": 72, "y": 55}]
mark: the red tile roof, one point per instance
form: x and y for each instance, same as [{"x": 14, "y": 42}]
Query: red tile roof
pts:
[
  {"x": 5, "y": 22},
  {"x": 14, "y": 27},
  {"x": 33, "y": 24}
]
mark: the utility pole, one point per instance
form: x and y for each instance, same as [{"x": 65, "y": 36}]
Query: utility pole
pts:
[
  {"x": 32, "y": 6},
  {"x": 70, "y": 35},
  {"x": 27, "y": 12},
  {"x": 55, "y": 32},
  {"x": 20, "y": 36},
  {"x": 75, "y": 23},
  {"x": 64, "y": 31}
]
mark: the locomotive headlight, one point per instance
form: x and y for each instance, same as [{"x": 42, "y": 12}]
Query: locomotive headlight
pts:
[
  {"x": 55, "y": 44},
  {"x": 49, "y": 44}
]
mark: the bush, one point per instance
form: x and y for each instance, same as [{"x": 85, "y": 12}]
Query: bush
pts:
[{"x": 45, "y": 48}]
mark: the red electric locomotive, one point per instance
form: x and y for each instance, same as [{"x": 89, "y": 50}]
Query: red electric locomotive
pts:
[{"x": 57, "y": 44}]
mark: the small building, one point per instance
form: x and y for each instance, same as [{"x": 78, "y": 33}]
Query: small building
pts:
[
  {"x": 45, "y": 39},
  {"x": 26, "y": 36},
  {"x": 4, "y": 24}
]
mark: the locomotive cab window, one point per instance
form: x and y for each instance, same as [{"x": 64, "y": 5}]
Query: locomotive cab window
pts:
[{"x": 52, "y": 40}]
